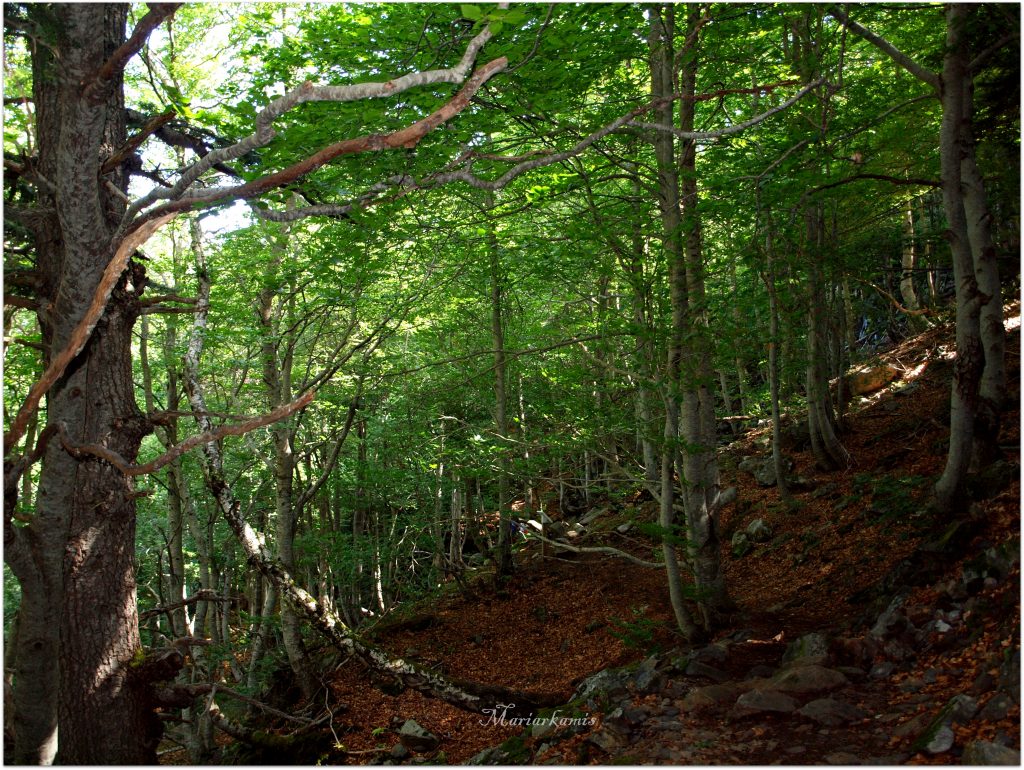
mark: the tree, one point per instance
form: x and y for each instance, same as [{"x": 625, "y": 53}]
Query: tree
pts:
[
  {"x": 979, "y": 381},
  {"x": 74, "y": 560}
]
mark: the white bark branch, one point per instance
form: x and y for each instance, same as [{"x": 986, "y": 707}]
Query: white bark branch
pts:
[{"x": 705, "y": 136}]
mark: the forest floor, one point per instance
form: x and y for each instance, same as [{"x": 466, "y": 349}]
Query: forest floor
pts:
[{"x": 836, "y": 556}]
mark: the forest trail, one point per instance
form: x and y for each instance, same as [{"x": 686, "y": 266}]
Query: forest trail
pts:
[{"x": 834, "y": 560}]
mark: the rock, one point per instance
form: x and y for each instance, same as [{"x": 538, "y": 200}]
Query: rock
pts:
[
  {"x": 892, "y": 621},
  {"x": 825, "y": 490},
  {"x": 868, "y": 379},
  {"x": 605, "y": 740},
  {"x": 986, "y": 753},
  {"x": 762, "y": 671},
  {"x": 622, "y": 529},
  {"x": 1009, "y": 674},
  {"x": 759, "y": 531},
  {"x": 741, "y": 545},
  {"x": 810, "y": 649},
  {"x": 715, "y": 695},
  {"x": 511, "y": 752},
  {"x": 647, "y": 678},
  {"x": 831, "y": 712},
  {"x": 997, "y": 708},
  {"x": 556, "y": 529},
  {"x": 399, "y": 752},
  {"x": 757, "y": 701},
  {"x": 983, "y": 684},
  {"x": 605, "y": 685},
  {"x": 842, "y": 758},
  {"x": 415, "y": 738},
  {"x": 941, "y": 740},
  {"x": 882, "y": 670},
  {"x": 853, "y": 673},
  {"x": 912, "y": 726},
  {"x": 913, "y": 684},
  {"x": 596, "y": 513},
  {"x": 696, "y": 668},
  {"x": 808, "y": 679},
  {"x": 962, "y": 708}
]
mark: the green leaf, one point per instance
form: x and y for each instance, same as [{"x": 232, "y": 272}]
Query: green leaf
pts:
[
  {"x": 495, "y": 27},
  {"x": 471, "y": 12}
]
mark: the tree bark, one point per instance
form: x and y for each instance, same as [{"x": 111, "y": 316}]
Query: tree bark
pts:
[
  {"x": 503, "y": 561},
  {"x": 660, "y": 45},
  {"x": 79, "y": 631}
]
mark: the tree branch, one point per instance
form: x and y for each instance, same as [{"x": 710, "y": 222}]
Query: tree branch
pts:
[
  {"x": 920, "y": 72},
  {"x": 150, "y": 128},
  {"x": 203, "y": 595},
  {"x": 81, "y": 333},
  {"x": 117, "y": 61},
  {"x": 112, "y": 457},
  {"x": 979, "y": 61},
  {"x": 703, "y": 136},
  {"x": 308, "y": 92}
]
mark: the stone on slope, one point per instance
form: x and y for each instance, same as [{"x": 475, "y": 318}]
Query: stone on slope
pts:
[
  {"x": 415, "y": 738},
  {"x": 758, "y": 701},
  {"x": 831, "y": 712},
  {"x": 808, "y": 679},
  {"x": 986, "y": 753},
  {"x": 809, "y": 649}
]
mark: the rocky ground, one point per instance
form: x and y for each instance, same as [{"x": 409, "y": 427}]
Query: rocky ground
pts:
[{"x": 866, "y": 631}]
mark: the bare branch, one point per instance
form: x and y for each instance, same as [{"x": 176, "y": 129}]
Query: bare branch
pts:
[
  {"x": 308, "y": 92},
  {"x": 703, "y": 136},
  {"x": 923, "y": 311},
  {"x": 83, "y": 330},
  {"x": 407, "y": 138},
  {"x": 151, "y": 127},
  {"x": 128, "y": 469},
  {"x": 203, "y": 595},
  {"x": 606, "y": 549},
  {"x": 980, "y": 60}
]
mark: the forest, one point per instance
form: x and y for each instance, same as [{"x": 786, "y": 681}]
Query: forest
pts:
[{"x": 424, "y": 383}]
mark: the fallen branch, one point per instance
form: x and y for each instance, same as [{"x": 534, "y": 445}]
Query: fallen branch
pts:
[
  {"x": 923, "y": 311},
  {"x": 605, "y": 549}
]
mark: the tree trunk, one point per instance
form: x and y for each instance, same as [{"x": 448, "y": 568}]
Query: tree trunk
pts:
[
  {"x": 700, "y": 462},
  {"x": 79, "y": 630},
  {"x": 970, "y": 354},
  {"x": 660, "y": 43},
  {"x": 992, "y": 395},
  {"x": 503, "y": 561}
]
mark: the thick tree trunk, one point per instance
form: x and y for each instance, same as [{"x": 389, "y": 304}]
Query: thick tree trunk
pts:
[{"x": 79, "y": 631}]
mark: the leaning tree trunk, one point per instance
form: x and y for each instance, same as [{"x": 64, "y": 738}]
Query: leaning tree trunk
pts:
[{"x": 79, "y": 630}]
